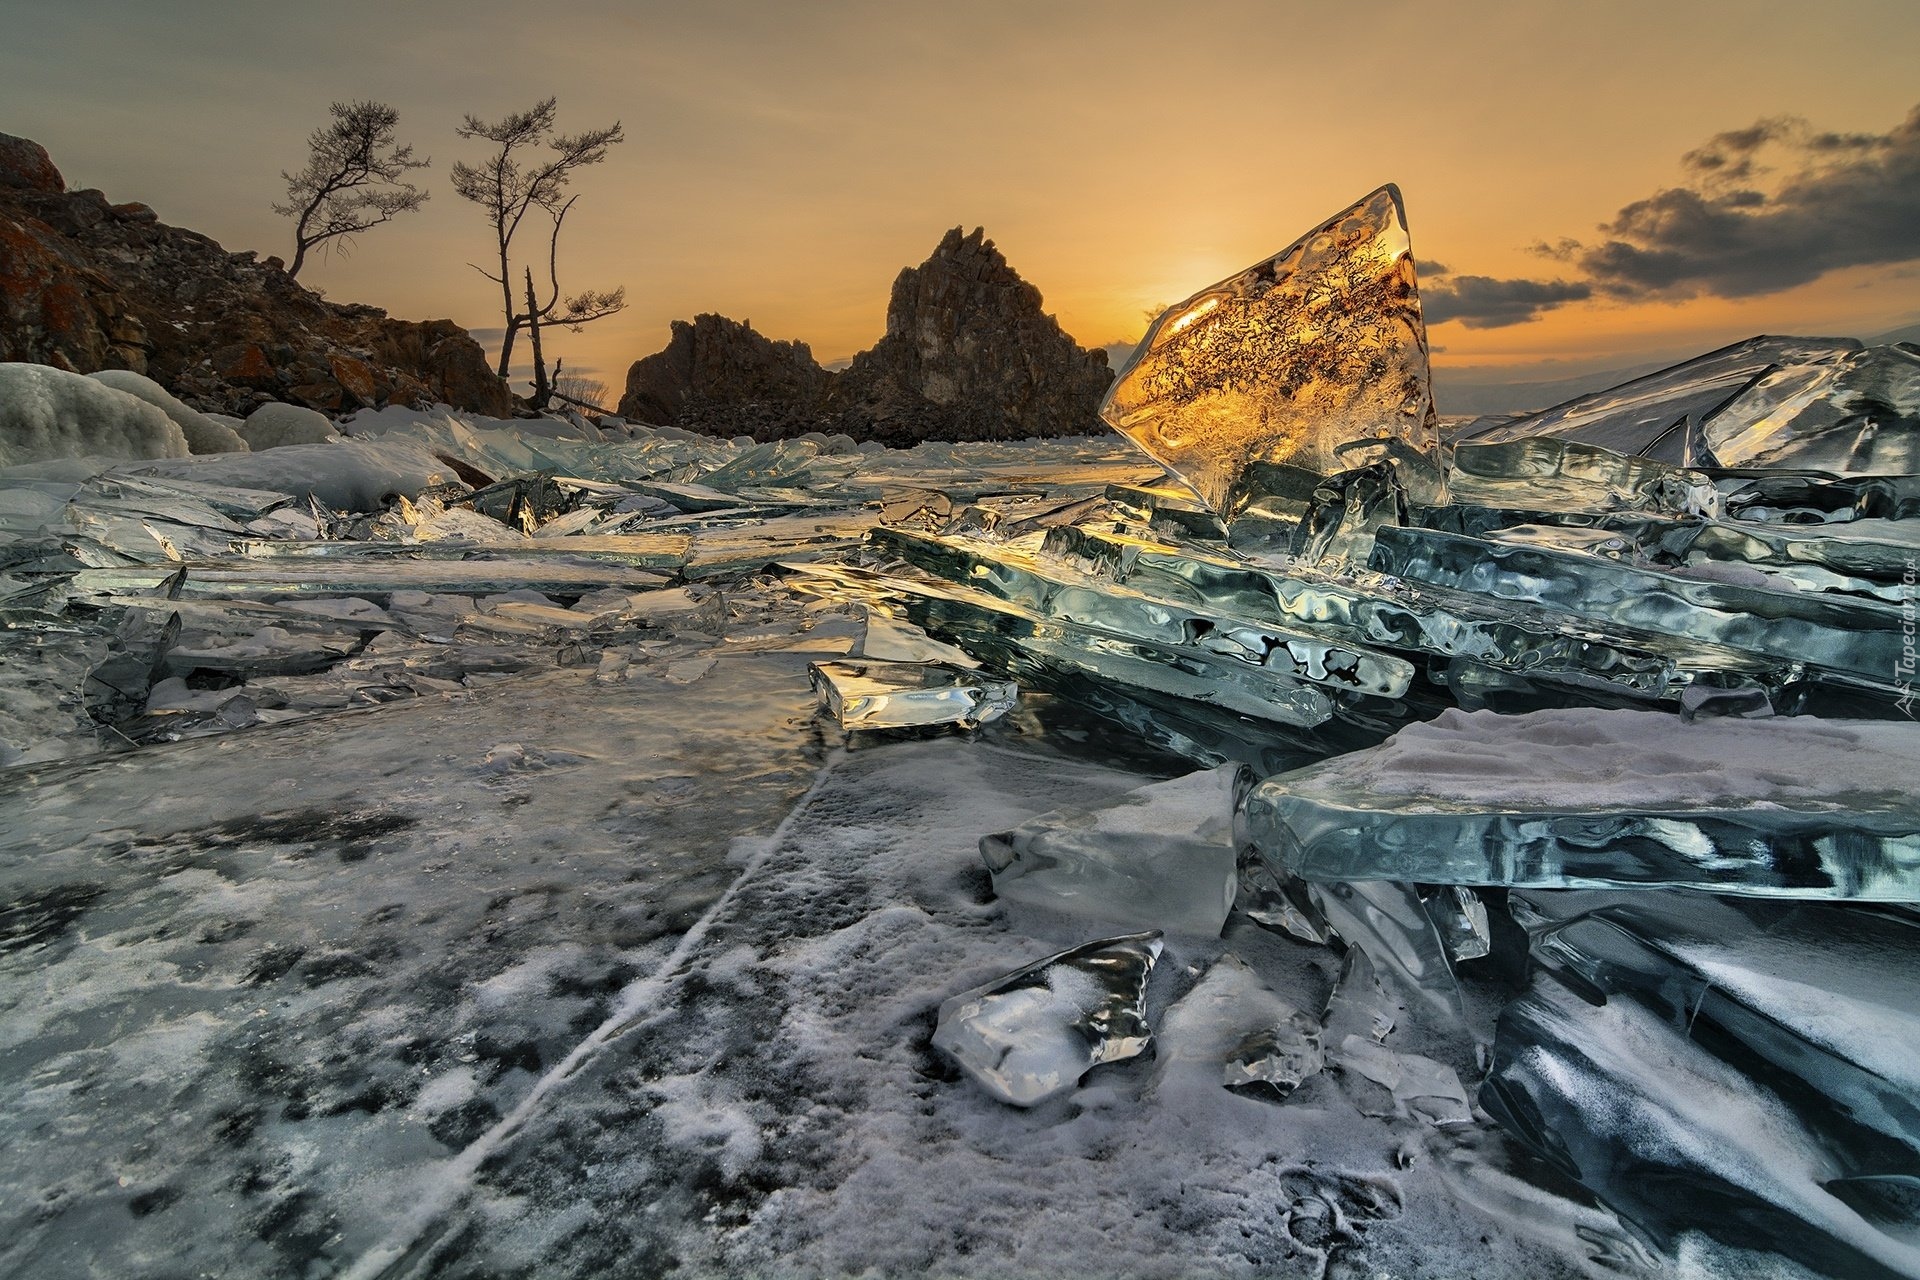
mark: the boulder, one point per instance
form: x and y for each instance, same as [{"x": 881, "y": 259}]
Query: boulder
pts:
[
  {"x": 720, "y": 376},
  {"x": 27, "y": 165},
  {"x": 204, "y": 434},
  {"x": 273, "y": 425}
]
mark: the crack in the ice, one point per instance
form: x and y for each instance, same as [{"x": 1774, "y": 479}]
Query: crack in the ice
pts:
[{"x": 416, "y": 1239}]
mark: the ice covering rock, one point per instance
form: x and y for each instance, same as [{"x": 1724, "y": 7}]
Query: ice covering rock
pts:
[
  {"x": 871, "y": 694},
  {"x": 204, "y": 433},
  {"x": 273, "y": 425},
  {"x": 1234, "y": 1030},
  {"x": 1798, "y": 806},
  {"x": 1161, "y": 857},
  {"x": 1031, "y": 1035},
  {"x": 1311, "y": 363},
  {"x": 50, "y": 413},
  {"x": 348, "y": 475},
  {"x": 1858, "y": 415}
]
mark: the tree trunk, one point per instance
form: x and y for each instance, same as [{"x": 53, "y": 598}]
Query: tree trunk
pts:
[
  {"x": 506, "y": 310},
  {"x": 299, "y": 256},
  {"x": 542, "y": 391}
]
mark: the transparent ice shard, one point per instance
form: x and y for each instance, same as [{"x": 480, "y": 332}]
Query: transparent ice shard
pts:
[
  {"x": 1234, "y": 1030},
  {"x": 1031, "y": 1035},
  {"x": 1413, "y": 1084},
  {"x": 1678, "y": 1140},
  {"x": 1278, "y": 901},
  {"x": 117, "y": 688},
  {"x": 1460, "y": 917},
  {"x": 1386, "y": 918},
  {"x": 1649, "y": 415},
  {"x": 1853, "y": 640},
  {"x": 871, "y": 694},
  {"x": 1358, "y": 1007},
  {"x": 893, "y": 640},
  {"x": 1315, "y": 359},
  {"x": 1819, "y": 994},
  {"x": 372, "y": 575},
  {"x": 1159, "y": 857},
  {"x": 1788, "y": 806},
  {"x": 1858, "y": 415},
  {"x": 1551, "y": 474}
]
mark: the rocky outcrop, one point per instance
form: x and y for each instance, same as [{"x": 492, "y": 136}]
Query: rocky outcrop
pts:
[
  {"x": 88, "y": 285},
  {"x": 720, "y": 376},
  {"x": 968, "y": 355}
]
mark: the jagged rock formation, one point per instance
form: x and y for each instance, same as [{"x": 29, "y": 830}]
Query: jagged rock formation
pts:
[
  {"x": 968, "y": 355},
  {"x": 88, "y": 285},
  {"x": 720, "y": 376}
]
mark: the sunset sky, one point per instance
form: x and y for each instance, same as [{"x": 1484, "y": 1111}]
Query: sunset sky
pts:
[{"x": 784, "y": 160}]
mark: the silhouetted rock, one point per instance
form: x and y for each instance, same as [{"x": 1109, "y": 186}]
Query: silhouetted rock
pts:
[
  {"x": 87, "y": 285},
  {"x": 720, "y": 376},
  {"x": 969, "y": 355}
]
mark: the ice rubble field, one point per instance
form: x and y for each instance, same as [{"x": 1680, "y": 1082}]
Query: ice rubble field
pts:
[{"x": 1272, "y": 843}]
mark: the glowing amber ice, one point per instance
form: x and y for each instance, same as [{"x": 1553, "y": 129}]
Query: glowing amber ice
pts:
[{"x": 1314, "y": 362}]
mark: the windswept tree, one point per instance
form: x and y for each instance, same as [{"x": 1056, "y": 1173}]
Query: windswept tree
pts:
[
  {"x": 529, "y": 170},
  {"x": 354, "y": 179}
]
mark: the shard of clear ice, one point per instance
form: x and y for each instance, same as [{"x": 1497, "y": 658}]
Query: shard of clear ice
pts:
[
  {"x": 1031, "y": 1035},
  {"x": 1160, "y": 857},
  {"x": 1234, "y": 1030},
  {"x": 1589, "y": 797},
  {"x": 1677, "y": 1139},
  {"x": 1314, "y": 360},
  {"x": 1858, "y": 415},
  {"x": 1650, "y": 416},
  {"x": 867, "y": 693}
]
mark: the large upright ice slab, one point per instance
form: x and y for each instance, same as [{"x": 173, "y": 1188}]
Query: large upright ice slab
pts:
[
  {"x": 1791, "y": 806},
  {"x": 1858, "y": 415},
  {"x": 1160, "y": 857},
  {"x": 1031, "y": 1035},
  {"x": 1313, "y": 362}
]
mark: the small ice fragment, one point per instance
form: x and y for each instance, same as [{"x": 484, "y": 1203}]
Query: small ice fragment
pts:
[
  {"x": 1031, "y": 1035},
  {"x": 1460, "y": 918},
  {"x": 1159, "y": 856},
  {"x": 1358, "y": 1005},
  {"x": 871, "y": 694}
]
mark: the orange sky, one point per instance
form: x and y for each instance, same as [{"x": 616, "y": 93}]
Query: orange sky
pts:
[{"x": 785, "y": 160}]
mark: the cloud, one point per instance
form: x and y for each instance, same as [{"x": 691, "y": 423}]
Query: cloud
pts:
[
  {"x": 1759, "y": 210},
  {"x": 1840, "y": 200},
  {"x": 1482, "y": 302},
  {"x": 1427, "y": 267}
]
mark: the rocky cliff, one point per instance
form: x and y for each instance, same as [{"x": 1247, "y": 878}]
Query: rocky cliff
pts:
[
  {"x": 968, "y": 355},
  {"x": 86, "y": 284},
  {"x": 720, "y": 376}
]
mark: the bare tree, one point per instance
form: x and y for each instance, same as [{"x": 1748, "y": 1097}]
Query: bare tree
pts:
[
  {"x": 579, "y": 389},
  {"x": 354, "y": 179},
  {"x": 508, "y": 186}
]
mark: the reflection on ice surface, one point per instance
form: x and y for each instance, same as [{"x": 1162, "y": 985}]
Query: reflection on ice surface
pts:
[{"x": 1517, "y": 838}]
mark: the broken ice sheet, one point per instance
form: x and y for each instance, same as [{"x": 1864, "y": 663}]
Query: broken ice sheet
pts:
[
  {"x": 1679, "y": 1141},
  {"x": 871, "y": 694},
  {"x": 1159, "y": 857},
  {"x": 1234, "y": 1030},
  {"x": 1315, "y": 359},
  {"x": 1858, "y": 415},
  {"x": 1789, "y": 806},
  {"x": 1649, "y": 416},
  {"x": 1031, "y": 1035}
]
